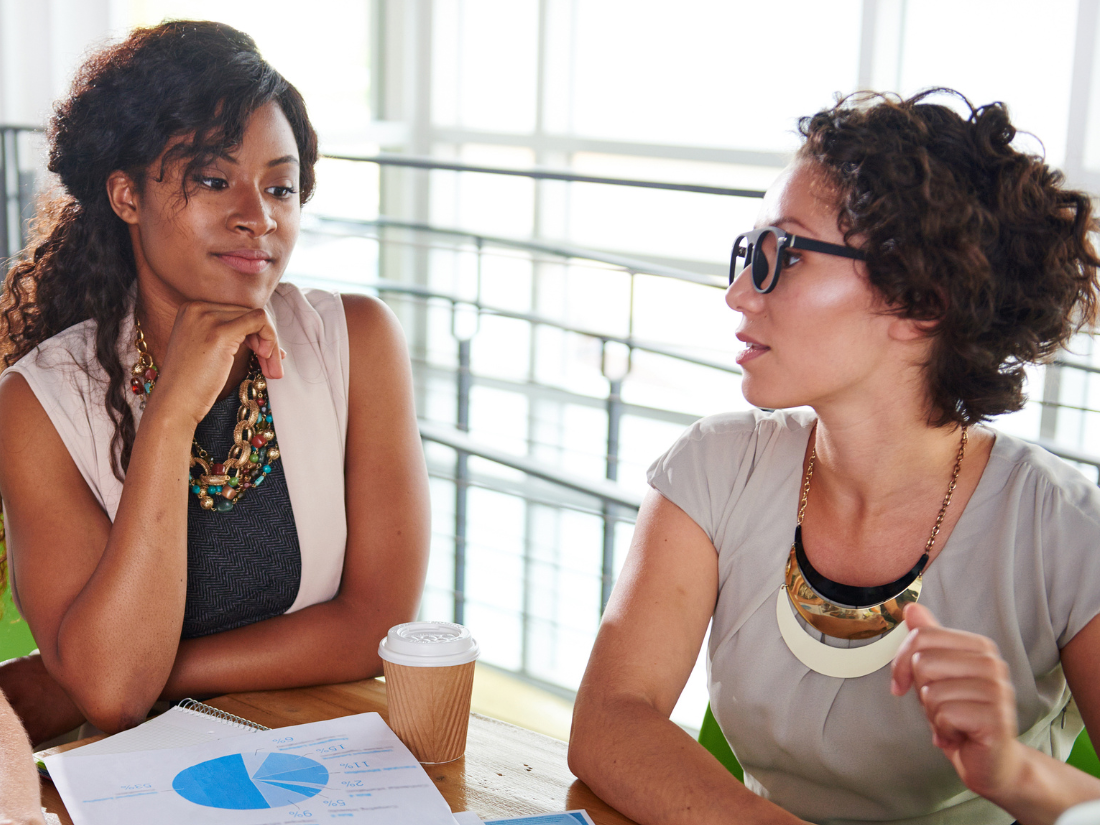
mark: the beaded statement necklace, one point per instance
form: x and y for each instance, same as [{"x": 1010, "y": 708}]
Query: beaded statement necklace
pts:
[{"x": 220, "y": 486}]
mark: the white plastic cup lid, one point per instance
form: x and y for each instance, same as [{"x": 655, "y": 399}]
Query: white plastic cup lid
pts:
[{"x": 428, "y": 644}]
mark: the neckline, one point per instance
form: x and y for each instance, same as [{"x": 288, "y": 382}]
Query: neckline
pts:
[
  {"x": 1000, "y": 444},
  {"x": 848, "y": 595}
]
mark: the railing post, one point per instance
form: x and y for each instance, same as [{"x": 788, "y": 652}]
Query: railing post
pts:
[
  {"x": 462, "y": 482},
  {"x": 610, "y": 511},
  {"x": 5, "y": 171},
  {"x": 1052, "y": 396},
  {"x": 463, "y": 334}
]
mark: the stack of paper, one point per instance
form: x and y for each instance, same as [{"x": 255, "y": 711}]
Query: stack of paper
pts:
[{"x": 353, "y": 769}]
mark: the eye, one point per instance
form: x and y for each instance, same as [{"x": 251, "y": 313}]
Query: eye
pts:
[
  {"x": 282, "y": 192},
  {"x": 211, "y": 182},
  {"x": 790, "y": 258}
]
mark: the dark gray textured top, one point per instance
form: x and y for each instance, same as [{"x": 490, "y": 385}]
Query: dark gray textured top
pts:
[{"x": 245, "y": 565}]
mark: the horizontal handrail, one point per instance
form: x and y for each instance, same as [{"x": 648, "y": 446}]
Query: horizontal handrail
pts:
[
  {"x": 536, "y": 173},
  {"x": 561, "y": 250},
  {"x": 1067, "y": 453},
  {"x": 1075, "y": 365},
  {"x": 599, "y": 488},
  {"x": 401, "y": 288}
]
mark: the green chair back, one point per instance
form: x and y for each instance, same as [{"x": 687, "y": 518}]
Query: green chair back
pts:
[
  {"x": 15, "y": 636},
  {"x": 712, "y": 738},
  {"x": 1083, "y": 756}
]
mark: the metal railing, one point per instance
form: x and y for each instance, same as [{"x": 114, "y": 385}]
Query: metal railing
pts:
[{"x": 528, "y": 477}]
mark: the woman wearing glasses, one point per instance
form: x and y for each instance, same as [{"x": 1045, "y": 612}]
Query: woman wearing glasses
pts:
[{"x": 901, "y": 600}]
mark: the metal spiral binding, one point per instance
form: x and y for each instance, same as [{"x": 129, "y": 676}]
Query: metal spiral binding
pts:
[{"x": 207, "y": 710}]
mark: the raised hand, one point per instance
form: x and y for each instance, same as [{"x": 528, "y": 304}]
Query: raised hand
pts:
[
  {"x": 202, "y": 351},
  {"x": 964, "y": 687}
]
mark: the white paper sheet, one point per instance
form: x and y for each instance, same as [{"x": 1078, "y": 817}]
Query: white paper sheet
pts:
[
  {"x": 175, "y": 728},
  {"x": 353, "y": 770}
]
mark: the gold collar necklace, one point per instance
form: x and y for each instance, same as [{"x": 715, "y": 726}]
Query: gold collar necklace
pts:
[{"x": 847, "y": 612}]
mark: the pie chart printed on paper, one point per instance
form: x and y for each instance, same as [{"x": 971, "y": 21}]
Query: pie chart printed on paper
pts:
[{"x": 249, "y": 781}]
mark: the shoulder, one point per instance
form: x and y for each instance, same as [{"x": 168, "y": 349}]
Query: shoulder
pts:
[
  {"x": 719, "y": 459},
  {"x": 72, "y": 347},
  {"x": 1047, "y": 516},
  {"x": 369, "y": 319},
  {"x": 1034, "y": 479},
  {"x": 62, "y": 370},
  {"x": 745, "y": 435},
  {"x": 376, "y": 343},
  {"x": 313, "y": 315}
]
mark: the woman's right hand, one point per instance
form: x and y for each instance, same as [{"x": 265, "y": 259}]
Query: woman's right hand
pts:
[{"x": 203, "y": 349}]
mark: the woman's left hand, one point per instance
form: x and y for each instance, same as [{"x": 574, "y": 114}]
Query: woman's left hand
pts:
[{"x": 964, "y": 687}]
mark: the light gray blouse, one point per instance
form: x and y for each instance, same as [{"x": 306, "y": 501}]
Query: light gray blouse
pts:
[{"x": 1022, "y": 566}]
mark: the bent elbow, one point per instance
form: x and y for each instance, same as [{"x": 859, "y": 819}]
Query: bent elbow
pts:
[
  {"x": 114, "y": 713},
  {"x": 114, "y": 720},
  {"x": 580, "y": 749}
]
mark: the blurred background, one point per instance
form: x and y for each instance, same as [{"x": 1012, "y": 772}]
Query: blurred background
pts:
[{"x": 546, "y": 192}]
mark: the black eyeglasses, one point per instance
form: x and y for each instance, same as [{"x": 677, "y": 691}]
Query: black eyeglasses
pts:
[{"x": 765, "y": 252}]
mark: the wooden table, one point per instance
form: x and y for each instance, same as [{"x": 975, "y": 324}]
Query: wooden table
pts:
[{"x": 507, "y": 770}]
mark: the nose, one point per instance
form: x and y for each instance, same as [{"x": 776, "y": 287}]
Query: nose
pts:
[
  {"x": 741, "y": 295},
  {"x": 251, "y": 214}
]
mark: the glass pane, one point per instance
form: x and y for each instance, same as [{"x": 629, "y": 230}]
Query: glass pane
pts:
[
  {"x": 684, "y": 77},
  {"x": 484, "y": 64},
  {"x": 999, "y": 64},
  {"x": 287, "y": 37}
]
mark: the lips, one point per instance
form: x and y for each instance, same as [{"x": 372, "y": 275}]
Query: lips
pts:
[
  {"x": 247, "y": 261},
  {"x": 753, "y": 349}
]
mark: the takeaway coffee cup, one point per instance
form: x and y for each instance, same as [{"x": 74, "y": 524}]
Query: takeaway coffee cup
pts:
[{"x": 429, "y": 669}]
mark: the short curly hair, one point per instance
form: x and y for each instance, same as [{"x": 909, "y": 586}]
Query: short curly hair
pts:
[{"x": 964, "y": 231}]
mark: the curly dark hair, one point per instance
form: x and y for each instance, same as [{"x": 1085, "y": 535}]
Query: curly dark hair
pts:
[
  {"x": 192, "y": 83},
  {"x": 964, "y": 231}
]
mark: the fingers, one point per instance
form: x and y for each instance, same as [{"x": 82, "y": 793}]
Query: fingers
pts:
[
  {"x": 967, "y": 708},
  {"x": 961, "y": 680},
  {"x": 916, "y": 617},
  {"x": 268, "y": 353},
  {"x": 202, "y": 349},
  {"x": 927, "y": 634},
  {"x": 260, "y": 336}
]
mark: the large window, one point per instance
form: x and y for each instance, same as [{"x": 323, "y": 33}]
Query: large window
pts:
[{"x": 704, "y": 92}]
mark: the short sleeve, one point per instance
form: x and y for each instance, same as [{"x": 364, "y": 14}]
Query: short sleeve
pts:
[
  {"x": 1068, "y": 511},
  {"x": 710, "y": 466}
]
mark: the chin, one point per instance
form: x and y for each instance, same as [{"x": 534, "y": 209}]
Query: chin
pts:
[
  {"x": 252, "y": 297},
  {"x": 769, "y": 398}
]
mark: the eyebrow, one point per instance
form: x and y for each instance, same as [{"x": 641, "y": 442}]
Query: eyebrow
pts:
[
  {"x": 277, "y": 162},
  {"x": 790, "y": 219}
]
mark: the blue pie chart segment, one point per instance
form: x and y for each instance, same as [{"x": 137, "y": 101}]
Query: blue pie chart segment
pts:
[{"x": 251, "y": 781}]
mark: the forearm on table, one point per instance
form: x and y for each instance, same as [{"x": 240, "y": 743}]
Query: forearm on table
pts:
[
  {"x": 1045, "y": 788},
  {"x": 20, "y": 801},
  {"x": 140, "y": 582},
  {"x": 334, "y": 641},
  {"x": 636, "y": 759}
]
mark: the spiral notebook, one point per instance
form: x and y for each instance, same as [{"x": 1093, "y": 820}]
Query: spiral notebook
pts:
[{"x": 188, "y": 723}]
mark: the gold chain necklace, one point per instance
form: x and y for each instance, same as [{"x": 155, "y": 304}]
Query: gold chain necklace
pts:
[
  {"x": 220, "y": 486},
  {"x": 848, "y": 612}
]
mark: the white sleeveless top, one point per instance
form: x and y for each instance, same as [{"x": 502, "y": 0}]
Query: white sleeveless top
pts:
[{"x": 311, "y": 399}]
